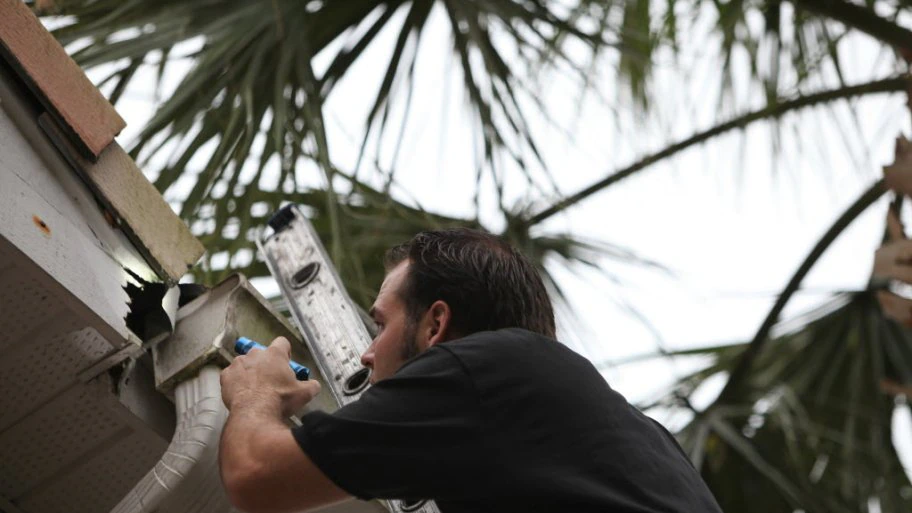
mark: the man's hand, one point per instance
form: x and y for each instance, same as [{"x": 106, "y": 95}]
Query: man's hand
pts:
[
  {"x": 897, "y": 308},
  {"x": 263, "y": 468},
  {"x": 893, "y": 261},
  {"x": 898, "y": 175},
  {"x": 262, "y": 380}
]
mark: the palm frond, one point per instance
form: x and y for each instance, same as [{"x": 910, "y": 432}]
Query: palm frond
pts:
[
  {"x": 373, "y": 223},
  {"x": 251, "y": 76},
  {"x": 860, "y": 205},
  {"x": 887, "y": 85},
  {"x": 811, "y": 427},
  {"x": 251, "y": 106},
  {"x": 803, "y": 417},
  {"x": 863, "y": 18}
]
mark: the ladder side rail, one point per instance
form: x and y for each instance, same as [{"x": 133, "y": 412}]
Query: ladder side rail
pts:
[{"x": 328, "y": 319}]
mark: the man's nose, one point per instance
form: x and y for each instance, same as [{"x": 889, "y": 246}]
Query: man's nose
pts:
[{"x": 367, "y": 359}]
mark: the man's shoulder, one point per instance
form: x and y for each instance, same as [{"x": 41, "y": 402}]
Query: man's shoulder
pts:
[
  {"x": 495, "y": 363},
  {"x": 515, "y": 352},
  {"x": 508, "y": 342},
  {"x": 482, "y": 357},
  {"x": 506, "y": 339}
]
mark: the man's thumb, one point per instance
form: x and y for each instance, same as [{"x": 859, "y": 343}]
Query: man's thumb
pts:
[{"x": 282, "y": 344}]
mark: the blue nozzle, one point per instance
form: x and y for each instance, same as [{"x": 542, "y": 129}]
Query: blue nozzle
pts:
[{"x": 244, "y": 345}]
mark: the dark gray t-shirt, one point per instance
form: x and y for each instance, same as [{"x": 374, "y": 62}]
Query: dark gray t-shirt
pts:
[{"x": 503, "y": 421}]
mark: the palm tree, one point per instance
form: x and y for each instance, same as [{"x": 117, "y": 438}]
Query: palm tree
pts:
[
  {"x": 804, "y": 421},
  {"x": 253, "y": 105}
]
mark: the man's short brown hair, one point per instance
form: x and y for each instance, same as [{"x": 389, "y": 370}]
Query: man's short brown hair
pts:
[{"x": 487, "y": 283}]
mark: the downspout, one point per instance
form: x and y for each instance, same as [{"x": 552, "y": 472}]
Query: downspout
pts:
[{"x": 186, "y": 478}]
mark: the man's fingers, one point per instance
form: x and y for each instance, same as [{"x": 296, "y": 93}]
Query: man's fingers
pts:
[
  {"x": 303, "y": 393},
  {"x": 894, "y": 226},
  {"x": 897, "y": 308},
  {"x": 898, "y": 175},
  {"x": 894, "y": 260},
  {"x": 888, "y": 386},
  {"x": 901, "y": 273},
  {"x": 283, "y": 345},
  {"x": 312, "y": 386}
]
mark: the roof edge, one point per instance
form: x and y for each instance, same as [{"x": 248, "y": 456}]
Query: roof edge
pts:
[
  {"x": 138, "y": 208},
  {"x": 88, "y": 119}
]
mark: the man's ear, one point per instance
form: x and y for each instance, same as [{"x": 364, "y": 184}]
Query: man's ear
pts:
[{"x": 437, "y": 323}]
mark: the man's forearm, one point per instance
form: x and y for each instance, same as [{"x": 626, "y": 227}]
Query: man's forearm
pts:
[
  {"x": 245, "y": 445},
  {"x": 263, "y": 468}
]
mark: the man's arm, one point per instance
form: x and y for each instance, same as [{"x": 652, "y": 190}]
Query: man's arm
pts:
[{"x": 263, "y": 468}]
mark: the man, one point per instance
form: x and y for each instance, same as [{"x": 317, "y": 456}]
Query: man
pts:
[{"x": 474, "y": 405}]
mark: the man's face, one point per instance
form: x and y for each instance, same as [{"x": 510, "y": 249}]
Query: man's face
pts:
[{"x": 396, "y": 334}]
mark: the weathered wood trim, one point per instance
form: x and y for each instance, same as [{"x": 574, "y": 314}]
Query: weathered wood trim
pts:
[
  {"x": 157, "y": 232},
  {"x": 90, "y": 121}
]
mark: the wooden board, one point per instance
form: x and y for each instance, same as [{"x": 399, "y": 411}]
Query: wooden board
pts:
[
  {"x": 157, "y": 232},
  {"x": 138, "y": 203},
  {"x": 89, "y": 119}
]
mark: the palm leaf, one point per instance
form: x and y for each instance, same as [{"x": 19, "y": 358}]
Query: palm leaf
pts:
[
  {"x": 810, "y": 428},
  {"x": 887, "y": 85},
  {"x": 248, "y": 78},
  {"x": 802, "y": 422},
  {"x": 373, "y": 223},
  {"x": 248, "y": 47}
]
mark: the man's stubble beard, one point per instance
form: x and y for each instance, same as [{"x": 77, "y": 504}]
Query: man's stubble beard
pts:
[{"x": 410, "y": 347}]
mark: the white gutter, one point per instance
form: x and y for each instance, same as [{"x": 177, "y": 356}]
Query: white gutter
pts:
[{"x": 186, "y": 479}]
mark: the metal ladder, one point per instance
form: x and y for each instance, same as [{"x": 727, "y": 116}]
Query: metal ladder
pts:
[{"x": 332, "y": 326}]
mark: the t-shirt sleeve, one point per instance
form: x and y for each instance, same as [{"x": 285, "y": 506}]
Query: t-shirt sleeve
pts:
[{"x": 415, "y": 435}]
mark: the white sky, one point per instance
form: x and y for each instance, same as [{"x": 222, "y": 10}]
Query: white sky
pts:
[{"x": 731, "y": 222}]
